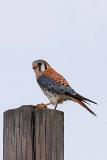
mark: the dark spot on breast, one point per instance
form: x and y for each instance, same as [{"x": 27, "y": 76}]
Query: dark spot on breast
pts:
[
  {"x": 44, "y": 89},
  {"x": 62, "y": 90}
]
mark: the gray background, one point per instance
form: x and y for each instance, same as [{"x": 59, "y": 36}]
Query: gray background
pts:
[{"x": 72, "y": 36}]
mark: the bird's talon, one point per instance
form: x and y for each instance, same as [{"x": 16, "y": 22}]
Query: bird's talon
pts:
[{"x": 41, "y": 106}]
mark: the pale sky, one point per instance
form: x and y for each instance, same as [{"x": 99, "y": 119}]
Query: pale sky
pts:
[{"x": 72, "y": 36}]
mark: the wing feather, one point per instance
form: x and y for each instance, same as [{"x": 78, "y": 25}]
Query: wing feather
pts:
[{"x": 52, "y": 85}]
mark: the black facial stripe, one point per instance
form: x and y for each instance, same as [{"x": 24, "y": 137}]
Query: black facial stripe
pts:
[
  {"x": 45, "y": 66},
  {"x": 39, "y": 65}
]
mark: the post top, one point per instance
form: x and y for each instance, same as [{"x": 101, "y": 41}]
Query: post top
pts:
[{"x": 32, "y": 107}]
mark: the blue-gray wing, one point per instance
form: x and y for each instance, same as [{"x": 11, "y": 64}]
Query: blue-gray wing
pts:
[
  {"x": 53, "y": 86},
  {"x": 50, "y": 84}
]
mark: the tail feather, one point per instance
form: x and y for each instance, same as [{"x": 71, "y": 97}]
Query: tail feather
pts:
[
  {"x": 84, "y": 105},
  {"x": 86, "y": 99},
  {"x": 86, "y": 102},
  {"x": 81, "y": 100},
  {"x": 79, "y": 97}
]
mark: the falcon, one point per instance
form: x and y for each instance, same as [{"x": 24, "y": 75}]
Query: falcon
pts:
[{"x": 55, "y": 86}]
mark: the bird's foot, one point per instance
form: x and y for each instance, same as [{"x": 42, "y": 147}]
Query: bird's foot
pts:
[{"x": 42, "y": 106}]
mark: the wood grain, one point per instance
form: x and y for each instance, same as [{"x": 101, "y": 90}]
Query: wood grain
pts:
[{"x": 33, "y": 134}]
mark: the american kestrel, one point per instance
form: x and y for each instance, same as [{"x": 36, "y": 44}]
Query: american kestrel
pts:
[{"x": 55, "y": 86}]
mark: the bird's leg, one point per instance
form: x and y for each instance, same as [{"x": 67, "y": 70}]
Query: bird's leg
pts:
[{"x": 55, "y": 106}]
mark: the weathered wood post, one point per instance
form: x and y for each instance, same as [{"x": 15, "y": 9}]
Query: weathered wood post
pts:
[{"x": 33, "y": 134}]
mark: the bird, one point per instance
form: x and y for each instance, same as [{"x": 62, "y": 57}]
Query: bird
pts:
[{"x": 56, "y": 87}]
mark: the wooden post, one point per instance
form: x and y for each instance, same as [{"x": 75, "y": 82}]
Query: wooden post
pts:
[{"x": 33, "y": 134}]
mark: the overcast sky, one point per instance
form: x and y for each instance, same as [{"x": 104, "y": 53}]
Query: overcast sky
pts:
[{"x": 72, "y": 36}]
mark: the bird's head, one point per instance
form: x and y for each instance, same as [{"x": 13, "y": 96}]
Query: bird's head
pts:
[{"x": 40, "y": 66}]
